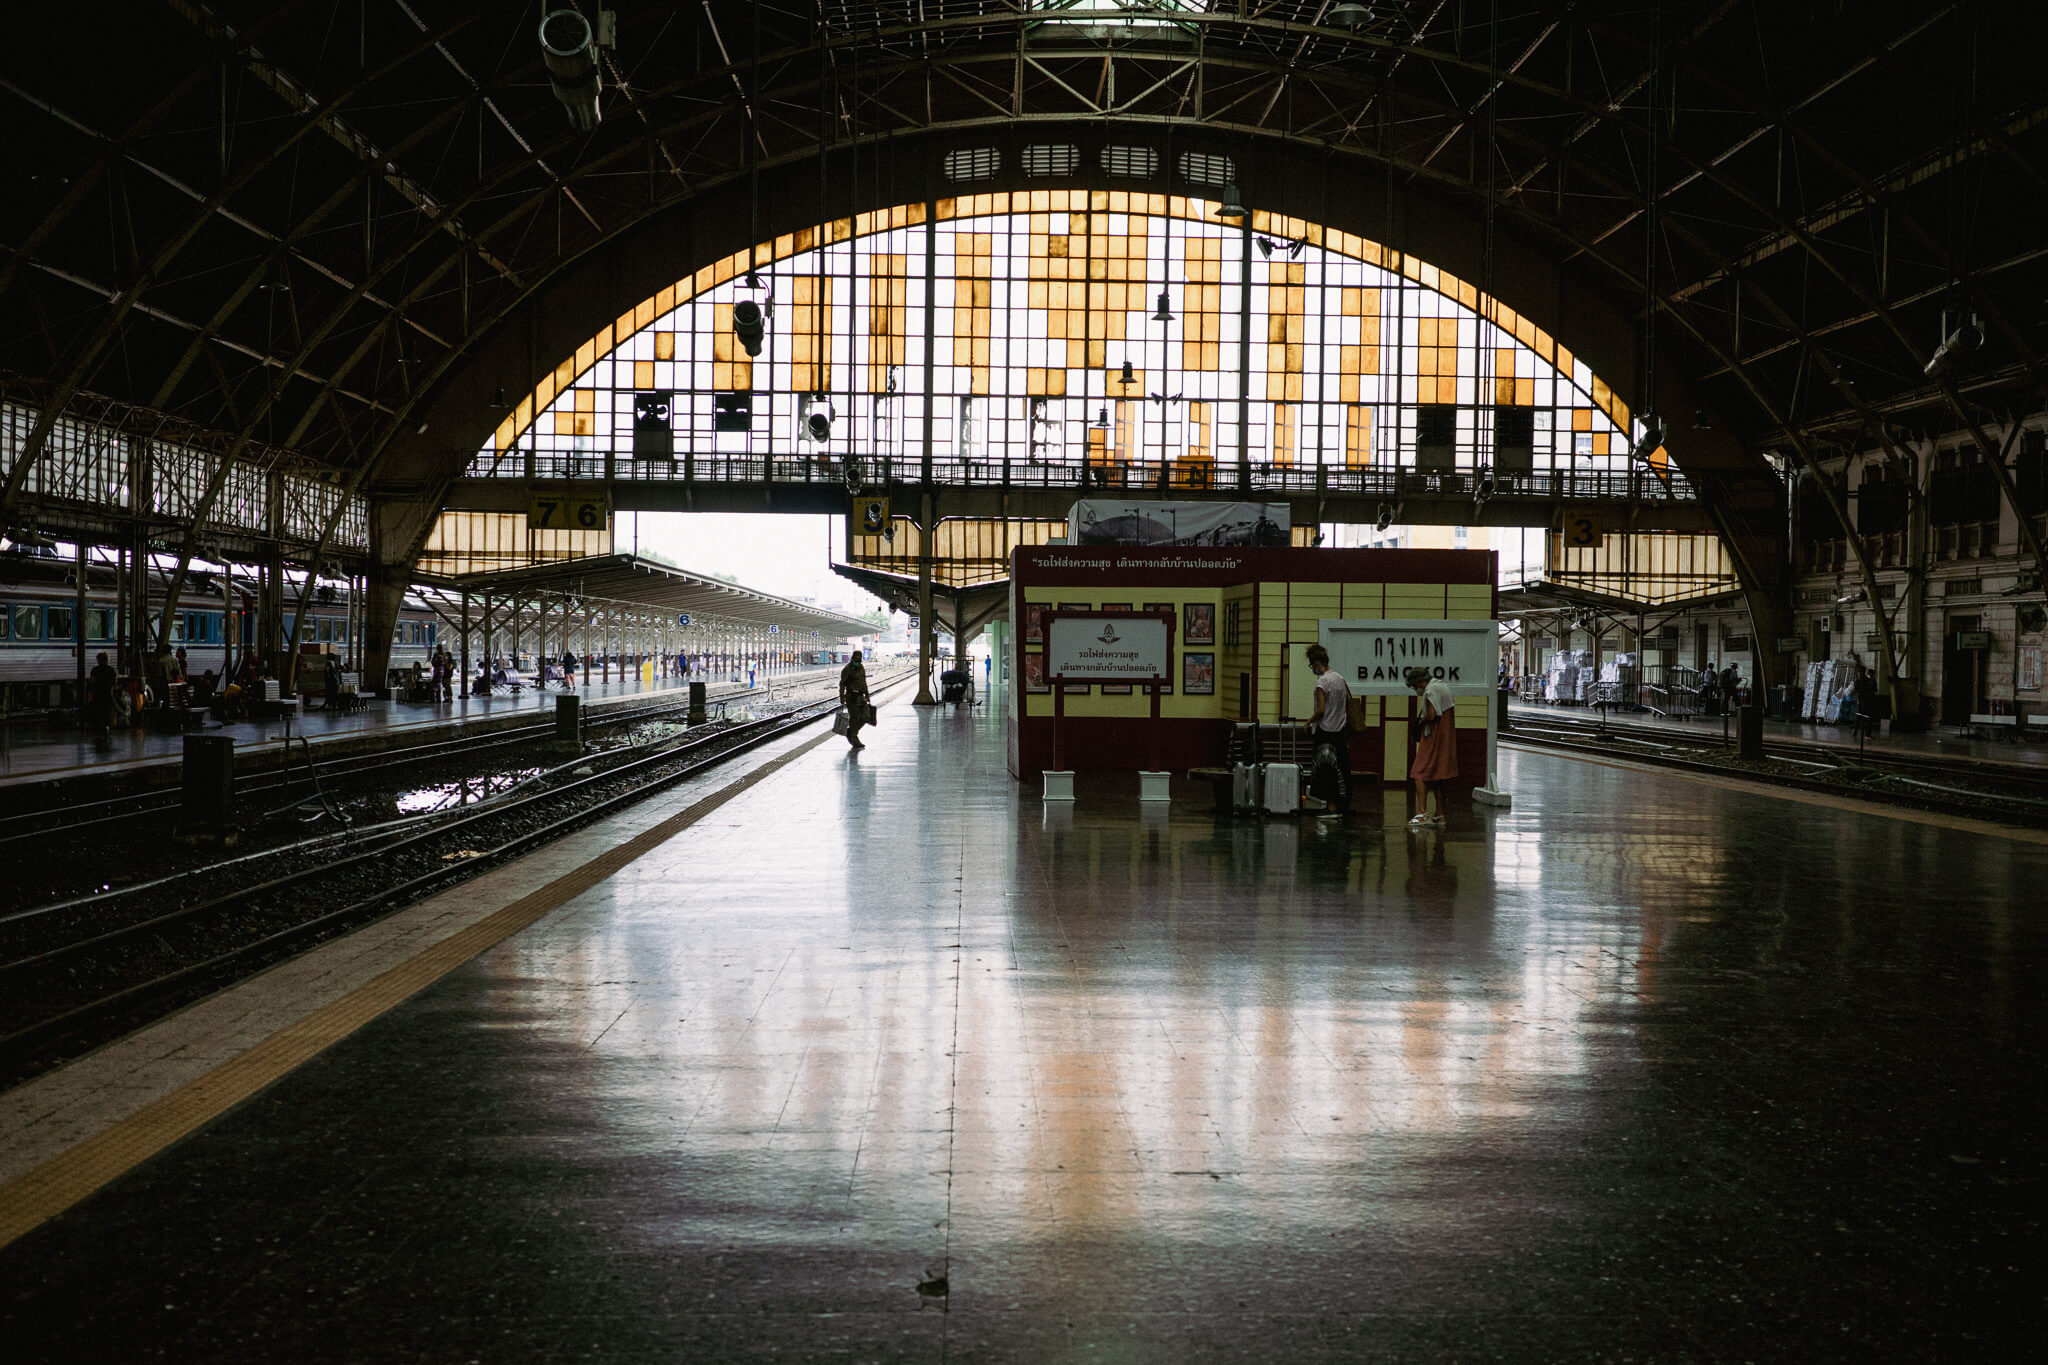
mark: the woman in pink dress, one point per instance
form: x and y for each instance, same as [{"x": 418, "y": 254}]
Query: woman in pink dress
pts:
[{"x": 1436, "y": 757}]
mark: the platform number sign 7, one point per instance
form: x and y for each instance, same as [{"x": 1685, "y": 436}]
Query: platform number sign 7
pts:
[
  {"x": 1582, "y": 530},
  {"x": 561, "y": 512}
]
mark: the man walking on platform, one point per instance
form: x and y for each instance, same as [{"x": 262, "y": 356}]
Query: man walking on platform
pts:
[{"x": 853, "y": 695}]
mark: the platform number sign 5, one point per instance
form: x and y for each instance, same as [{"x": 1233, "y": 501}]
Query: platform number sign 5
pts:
[
  {"x": 871, "y": 515},
  {"x": 1582, "y": 530},
  {"x": 562, "y": 512}
]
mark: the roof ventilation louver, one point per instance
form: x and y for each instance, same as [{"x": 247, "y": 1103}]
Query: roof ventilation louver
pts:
[
  {"x": 1131, "y": 163},
  {"x": 1051, "y": 159},
  {"x": 1206, "y": 168},
  {"x": 972, "y": 163}
]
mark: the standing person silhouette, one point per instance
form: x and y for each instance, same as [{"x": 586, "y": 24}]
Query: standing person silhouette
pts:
[{"x": 1436, "y": 757}]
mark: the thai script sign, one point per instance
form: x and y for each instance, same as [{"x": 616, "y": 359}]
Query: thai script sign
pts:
[
  {"x": 1095, "y": 647},
  {"x": 1375, "y": 656}
]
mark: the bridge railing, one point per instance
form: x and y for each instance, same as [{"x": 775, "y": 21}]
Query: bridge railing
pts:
[{"x": 1180, "y": 478}]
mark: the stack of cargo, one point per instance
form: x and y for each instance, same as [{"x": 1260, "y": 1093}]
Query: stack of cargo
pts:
[
  {"x": 1571, "y": 676},
  {"x": 1821, "y": 701}
]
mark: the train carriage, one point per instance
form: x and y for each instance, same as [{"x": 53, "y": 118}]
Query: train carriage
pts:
[{"x": 41, "y": 628}]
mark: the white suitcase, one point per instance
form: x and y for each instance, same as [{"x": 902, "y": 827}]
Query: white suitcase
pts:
[
  {"x": 1245, "y": 788},
  {"x": 1283, "y": 788}
]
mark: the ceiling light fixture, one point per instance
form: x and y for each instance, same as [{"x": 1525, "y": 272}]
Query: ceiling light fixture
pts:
[
  {"x": 569, "y": 49},
  {"x": 1958, "y": 347}
]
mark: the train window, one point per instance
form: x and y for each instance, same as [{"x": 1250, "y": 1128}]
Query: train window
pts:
[
  {"x": 433, "y": 630},
  {"x": 99, "y": 623},
  {"x": 28, "y": 623},
  {"x": 340, "y": 631},
  {"x": 57, "y": 623},
  {"x": 6, "y": 616}
]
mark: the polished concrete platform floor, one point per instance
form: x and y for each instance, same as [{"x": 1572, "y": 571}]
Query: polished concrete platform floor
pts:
[
  {"x": 884, "y": 1060},
  {"x": 41, "y": 752},
  {"x": 2031, "y": 748}
]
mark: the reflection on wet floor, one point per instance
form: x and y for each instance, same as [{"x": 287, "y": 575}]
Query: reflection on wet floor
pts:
[{"x": 889, "y": 1060}]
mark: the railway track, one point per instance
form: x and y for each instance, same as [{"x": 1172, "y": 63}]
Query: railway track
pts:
[
  {"x": 17, "y": 828},
  {"x": 1979, "y": 788},
  {"x": 77, "y": 973}
]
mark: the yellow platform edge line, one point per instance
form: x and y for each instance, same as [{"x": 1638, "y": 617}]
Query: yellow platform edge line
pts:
[{"x": 63, "y": 1181}]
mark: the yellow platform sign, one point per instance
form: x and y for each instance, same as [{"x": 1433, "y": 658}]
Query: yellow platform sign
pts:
[
  {"x": 566, "y": 512},
  {"x": 870, "y": 516},
  {"x": 1583, "y": 530}
]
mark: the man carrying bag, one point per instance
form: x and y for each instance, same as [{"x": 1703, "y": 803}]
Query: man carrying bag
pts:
[{"x": 854, "y": 709}]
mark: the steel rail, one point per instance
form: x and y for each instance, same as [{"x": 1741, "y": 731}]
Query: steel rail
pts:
[
  {"x": 766, "y": 732},
  {"x": 151, "y": 802}
]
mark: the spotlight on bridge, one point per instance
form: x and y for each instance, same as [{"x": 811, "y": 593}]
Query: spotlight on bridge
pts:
[
  {"x": 1652, "y": 438},
  {"x": 1353, "y": 17},
  {"x": 569, "y": 49},
  {"x": 1388, "y": 511},
  {"x": 747, "y": 325},
  {"x": 814, "y": 418},
  {"x": 1232, "y": 206}
]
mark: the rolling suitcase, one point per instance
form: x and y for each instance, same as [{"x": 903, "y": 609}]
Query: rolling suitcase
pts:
[
  {"x": 1283, "y": 788},
  {"x": 1246, "y": 791}
]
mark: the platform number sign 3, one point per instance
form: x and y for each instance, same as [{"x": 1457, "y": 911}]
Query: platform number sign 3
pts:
[
  {"x": 562, "y": 512},
  {"x": 1582, "y": 530}
]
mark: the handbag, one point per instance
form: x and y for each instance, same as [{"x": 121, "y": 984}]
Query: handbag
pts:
[{"x": 839, "y": 721}]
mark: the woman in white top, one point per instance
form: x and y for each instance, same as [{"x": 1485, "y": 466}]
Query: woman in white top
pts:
[{"x": 1436, "y": 757}]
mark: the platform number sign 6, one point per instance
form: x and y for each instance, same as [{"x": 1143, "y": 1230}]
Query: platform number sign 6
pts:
[{"x": 1582, "y": 530}]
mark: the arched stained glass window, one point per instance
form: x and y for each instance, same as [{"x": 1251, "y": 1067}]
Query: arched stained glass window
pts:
[{"x": 1124, "y": 330}]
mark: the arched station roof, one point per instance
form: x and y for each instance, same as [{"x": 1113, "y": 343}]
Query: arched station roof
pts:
[{"x": 339, "y": 235}]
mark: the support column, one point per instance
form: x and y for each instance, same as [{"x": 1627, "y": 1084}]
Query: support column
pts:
[
  {"x": 927, "y": 635},
  {"x": 131, "y": 636},
  {"x": 1908, "y": 682},
  {"x": 78, "y": 618},
  {"x": 266, "y": 636}
]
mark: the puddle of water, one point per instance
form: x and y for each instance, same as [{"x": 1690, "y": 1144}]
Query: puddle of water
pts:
[{"x": 467, "y": 791}]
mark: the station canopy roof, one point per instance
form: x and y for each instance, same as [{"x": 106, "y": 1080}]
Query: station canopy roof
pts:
[{"x": 649, "y": 587}]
